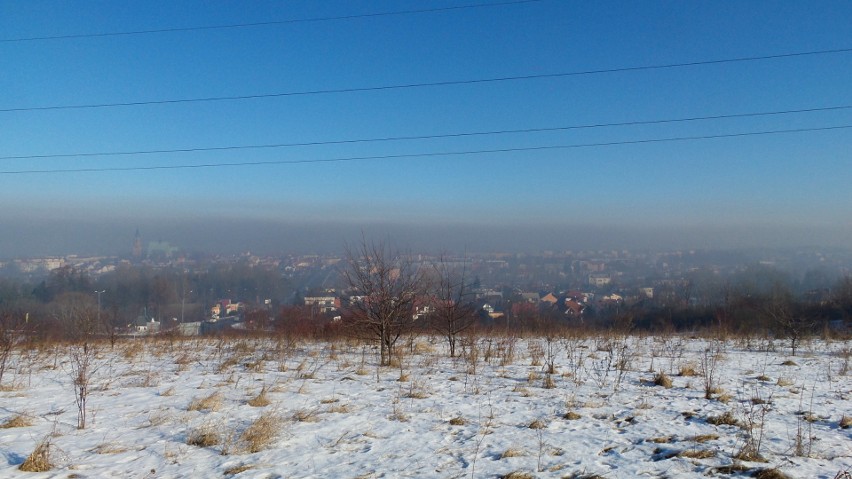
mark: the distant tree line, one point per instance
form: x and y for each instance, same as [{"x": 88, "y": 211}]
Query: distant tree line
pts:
[{"x": 387, "y": 296}]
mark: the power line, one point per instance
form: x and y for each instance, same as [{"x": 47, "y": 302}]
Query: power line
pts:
[
  {"x": 267, "y": 23},
  {"x": 430, "y": 84},
  {"x": 421, "y": 155},
  {"x": 426, "y": 137}
]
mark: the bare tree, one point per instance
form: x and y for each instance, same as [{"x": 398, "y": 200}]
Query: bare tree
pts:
[
  {"x": 12, "y": 326},
  {"x": 786, "y": 317},
  {"x": 454, "y": 310},
  {"x": 384, "y": 288},
  {"x": 79, "y": 314}
]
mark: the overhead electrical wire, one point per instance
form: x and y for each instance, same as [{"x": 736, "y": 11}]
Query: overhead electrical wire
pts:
[
  {"x": 267, "y": 23},
  {"x": 420, "y": 155},
  {"x": 427, "y": 137},
  {"x": 403, "y": 86}
]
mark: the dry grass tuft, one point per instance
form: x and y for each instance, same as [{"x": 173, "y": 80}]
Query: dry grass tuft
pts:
[
  {"x": 204, "y": 436},
  {"x": 458, "y": 421},
  {"x": 749, "y": 453},
  {"x": 662, "y": 380},
  {"x": 261, "y": 433},
  {"x": 571, "y": 416},
  {"x": 17, "y": 421},
  {"x": 769, "y": 474},
  {"x": 549, "y": 383},
  {"x": 697, "y": 454},
  {"x": 724, "y": 397},
  {"x": 661, "y": 440},
  {"x": 209, "y": 403},
  {"x": 687, "y": 370},
  {"x": 305, "y": 415},
  {"x": 784, "y": 382},
  {"x": 701, "y": 438},
  {"x": 512, "y": 452},
  {"x": 232, "y": 471},
  {"x": 107, "y": 448},
  {"x": 727, "y": 418},
  {"x": 339, "y": 409},
  {"x": 519, "y": 475},
  {"x": 261, "y": 400},
  {"x": 537, "y": 424},
  {"x": 845, "y": 422},
  {"x": 39, "y": 459}
]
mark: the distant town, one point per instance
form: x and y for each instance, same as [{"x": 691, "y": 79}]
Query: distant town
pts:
[{"x": 157, "y": 286}]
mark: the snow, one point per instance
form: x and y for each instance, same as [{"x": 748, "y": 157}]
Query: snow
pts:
[{"x": 340, "y": 415}]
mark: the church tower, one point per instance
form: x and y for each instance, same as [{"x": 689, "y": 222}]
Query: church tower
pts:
[{"x": 137, "y": 246}]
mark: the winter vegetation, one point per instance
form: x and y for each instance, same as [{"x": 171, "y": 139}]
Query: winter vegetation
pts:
[{"x": 565, "y": 404}]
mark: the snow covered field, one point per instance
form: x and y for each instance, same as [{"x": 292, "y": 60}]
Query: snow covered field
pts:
[{"x": 267, "y": 409}]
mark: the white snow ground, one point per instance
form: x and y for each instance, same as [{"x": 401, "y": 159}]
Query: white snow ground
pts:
[{"x": 340, "y": 416}]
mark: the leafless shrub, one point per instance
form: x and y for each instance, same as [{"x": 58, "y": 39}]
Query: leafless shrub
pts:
[
  {"x": 82, "y": 366},
  {"x": 710, "y": 359}
]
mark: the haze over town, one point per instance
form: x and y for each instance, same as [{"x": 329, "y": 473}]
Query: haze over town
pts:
[{"x": 517, "y": 126}]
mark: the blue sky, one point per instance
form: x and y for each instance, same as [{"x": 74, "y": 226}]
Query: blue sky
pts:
[{"x": 749, "y": 185}]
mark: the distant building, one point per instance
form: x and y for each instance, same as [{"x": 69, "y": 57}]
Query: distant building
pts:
[
  {"x": 599, "y": 279},
  {"x": 161, "y": 249},
  {"x": 137, "y": 246},
  {"x": 323, "y": 304}
]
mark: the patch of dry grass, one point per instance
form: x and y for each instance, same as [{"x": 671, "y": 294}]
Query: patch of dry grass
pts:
[
  {"x": 305, "y": 415},
  {"x": 571, "y": 416},
  {"x": 512, "y": 452},
  {"x": 39, "y": 459},
  {"x": 261, "y": 400},
  {"x": 537, "y": 424},
  {"x": 726, "y": 418},
  {"x": 204, "y": 436},
  {"x": 769, "y": 474},
  {"x": 519, "y": 475},
  {"x": 662, "y": 380},
  {"x": 261, "y": 433},
  {"x": 661, "y": 440},
  {"x": 107, "y": 448},
  {"x": 17, "y": 421},
  {"x": 845, "y": 422},
  {"x": 233, "y": 471},
  {"x": 701, "y": 438},
  {"x": 697, "y": 454},
  {"x": 209, "y": 403},
  {"x": 458, "y": 421}
]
